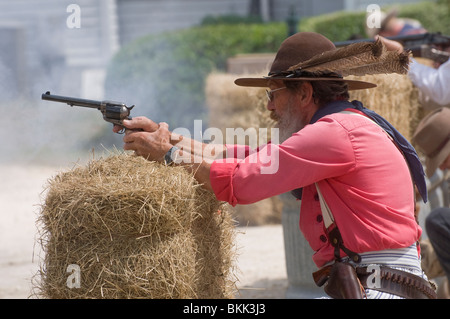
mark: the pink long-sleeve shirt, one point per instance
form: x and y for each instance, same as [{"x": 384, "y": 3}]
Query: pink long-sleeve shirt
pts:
[{"x": 362, "y": 175}]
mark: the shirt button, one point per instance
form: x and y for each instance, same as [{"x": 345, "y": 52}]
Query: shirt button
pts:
[
  {"x": 319, "y": 218},
  {"x": 316, "y": 197},
  {"x": 323, "y": 238}
]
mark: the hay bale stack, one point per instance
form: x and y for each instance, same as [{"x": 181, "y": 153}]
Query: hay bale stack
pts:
[
  {"x": 395, "y": 98},
  {"x": 136, "y": 229}
]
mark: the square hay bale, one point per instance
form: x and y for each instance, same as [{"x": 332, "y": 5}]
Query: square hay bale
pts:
[{"x": 133, "y": 229}]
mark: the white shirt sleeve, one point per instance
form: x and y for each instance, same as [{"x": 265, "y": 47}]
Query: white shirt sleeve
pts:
[{"x": 434, "y": 83}]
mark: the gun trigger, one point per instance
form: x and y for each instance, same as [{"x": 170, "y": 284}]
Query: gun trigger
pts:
[{"x": 122, "y": 130}]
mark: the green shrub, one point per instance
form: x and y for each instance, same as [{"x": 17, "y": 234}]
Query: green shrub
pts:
[
  {"x": 433, "y": 16},
  {"x": 337, "y": 26},
  {"x": 340, "y": 26},
  {"x": 230, "y": 19}
]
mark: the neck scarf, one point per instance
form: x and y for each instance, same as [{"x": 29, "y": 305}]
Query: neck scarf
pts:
[{"x": 407, "y": 149}]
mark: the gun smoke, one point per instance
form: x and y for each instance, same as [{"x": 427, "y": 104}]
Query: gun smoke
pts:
[{"x": 40, "y": 132}]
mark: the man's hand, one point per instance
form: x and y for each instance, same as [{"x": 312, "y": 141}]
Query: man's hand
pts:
[
  {"x": 391, "y": 45},
  {"x": 146, "y": 138},
  {"x": 139, "y": 123},
  {"x": 152, "y": 141}
]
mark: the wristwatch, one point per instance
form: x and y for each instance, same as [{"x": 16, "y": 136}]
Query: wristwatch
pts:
[{"x": 168, "y": 157}]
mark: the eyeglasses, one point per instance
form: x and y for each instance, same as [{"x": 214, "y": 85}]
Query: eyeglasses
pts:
[{"x": 270, "y": 93}]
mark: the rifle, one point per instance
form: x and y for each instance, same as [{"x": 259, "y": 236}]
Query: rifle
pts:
[
  {"x": 113, "y": 112},
  {"x": 421, "y": 45}
]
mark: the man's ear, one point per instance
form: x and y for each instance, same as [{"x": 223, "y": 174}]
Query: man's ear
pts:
[{"x": 306, "y": 94}]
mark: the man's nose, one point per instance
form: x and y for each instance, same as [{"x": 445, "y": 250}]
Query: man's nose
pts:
[{"x": 270, "y": 106}]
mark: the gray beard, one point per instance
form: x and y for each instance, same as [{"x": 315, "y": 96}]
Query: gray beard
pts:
[{"x": 288, "y": 125}]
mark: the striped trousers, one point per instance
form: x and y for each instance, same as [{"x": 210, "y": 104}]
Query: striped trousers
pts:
[{"x": 405, "y": 259}]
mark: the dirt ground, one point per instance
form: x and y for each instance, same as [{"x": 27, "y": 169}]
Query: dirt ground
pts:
[{"x": 261, "y": 259}]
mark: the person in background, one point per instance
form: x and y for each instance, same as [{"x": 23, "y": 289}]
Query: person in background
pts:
[
  {"x": 432, "y": 82},
  {"x": 433, "y": 133},
  {"x": 391, "y": 26},
  {"x": 433, "y": 138}
]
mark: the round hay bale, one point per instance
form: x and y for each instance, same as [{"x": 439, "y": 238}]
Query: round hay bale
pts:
[{"x": 134, "y": 229}]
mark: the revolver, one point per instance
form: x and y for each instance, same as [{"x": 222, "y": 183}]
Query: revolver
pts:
[{"x": 113, "y": 112}]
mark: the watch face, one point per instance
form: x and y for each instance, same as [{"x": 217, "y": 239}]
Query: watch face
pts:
[{"x": 168, "y": 157}]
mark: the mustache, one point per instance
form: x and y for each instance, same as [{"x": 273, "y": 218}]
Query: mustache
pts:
[{"x": 274, "y": 116}]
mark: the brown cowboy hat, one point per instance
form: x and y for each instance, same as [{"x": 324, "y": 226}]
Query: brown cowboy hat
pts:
[
  {"x": 433, "y": 137},
  {"x": 312, "y": 57}
]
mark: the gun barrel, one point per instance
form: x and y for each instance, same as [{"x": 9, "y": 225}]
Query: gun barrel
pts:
[
  {"x": 413, "y": 37},
  {"x": 72, "y": 100},
  {"x": 409, "y": 41}
]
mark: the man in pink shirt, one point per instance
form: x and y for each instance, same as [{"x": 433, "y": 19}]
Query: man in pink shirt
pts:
[{"x": 332, "y": 153}]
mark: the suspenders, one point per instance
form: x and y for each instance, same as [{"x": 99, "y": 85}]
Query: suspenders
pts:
[{"x": 334, "y": 236}]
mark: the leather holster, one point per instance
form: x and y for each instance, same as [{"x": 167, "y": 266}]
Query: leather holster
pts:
[{"x": 340, "y": 280}]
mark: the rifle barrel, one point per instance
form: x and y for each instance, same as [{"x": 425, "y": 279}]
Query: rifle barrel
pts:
[{"x": 411, "y": 39}]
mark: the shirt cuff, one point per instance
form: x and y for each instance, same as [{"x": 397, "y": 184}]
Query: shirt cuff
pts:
[{"x": 221, "y": 175}]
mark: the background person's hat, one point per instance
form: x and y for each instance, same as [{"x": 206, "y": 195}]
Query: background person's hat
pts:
[
  {"x": 312, "y": 57},
  {"x": 432, "y": 136}
]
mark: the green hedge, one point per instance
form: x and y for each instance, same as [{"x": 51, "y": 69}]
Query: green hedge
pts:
[
  {"x": 164, "y": 74},
  {"x": 433, "y": 15},
  {"x": 337, "y": 26}
]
